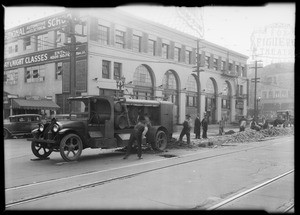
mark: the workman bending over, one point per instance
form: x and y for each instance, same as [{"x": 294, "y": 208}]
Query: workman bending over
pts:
[{"x": 139, "y": 132}]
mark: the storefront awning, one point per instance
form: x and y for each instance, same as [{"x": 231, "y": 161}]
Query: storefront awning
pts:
[{"x": 34, "y": 104}]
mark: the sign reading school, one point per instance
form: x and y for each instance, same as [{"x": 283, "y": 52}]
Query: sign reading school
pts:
[{"x": 41, "y": 25}]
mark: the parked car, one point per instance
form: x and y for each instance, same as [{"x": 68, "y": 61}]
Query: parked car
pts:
[
  {"x": 284, "y": 117},
  {"x": 21, "y": 125}
]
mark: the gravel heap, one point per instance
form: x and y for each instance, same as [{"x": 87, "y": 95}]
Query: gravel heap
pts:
[{"x": 249, "y": 135}]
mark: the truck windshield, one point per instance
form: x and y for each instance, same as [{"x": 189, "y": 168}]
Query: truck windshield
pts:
[{"x": 79, "y": 110}]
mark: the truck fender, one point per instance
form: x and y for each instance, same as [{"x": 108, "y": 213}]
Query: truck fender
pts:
[
  {"x": 62, "y": 131},
  {"x": 66, "y": 130},
  {"x": 151, "y": 134}
]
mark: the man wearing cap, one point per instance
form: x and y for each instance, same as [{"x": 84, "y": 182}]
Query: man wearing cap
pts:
[
  {"x": 204, "y": 124},
  {"x": 187, "y": 125},
  {"x": 197, "y": 127},
  {"x": 138, "y": 133}
]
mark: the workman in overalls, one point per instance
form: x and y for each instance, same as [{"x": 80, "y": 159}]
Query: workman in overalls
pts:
[{"x": 139, "y": 132}]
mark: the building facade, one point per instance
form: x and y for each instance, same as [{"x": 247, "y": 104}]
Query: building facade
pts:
[
  {"x": 275, "y": 89},
  {"x": 154, "y": 62}
]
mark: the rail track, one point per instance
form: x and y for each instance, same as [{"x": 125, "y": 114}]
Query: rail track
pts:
[
  {"x": 252, "y": 190},
  {"x": 108, "y": 180}
]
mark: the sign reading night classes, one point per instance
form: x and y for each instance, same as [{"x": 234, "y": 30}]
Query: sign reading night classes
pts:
[
  {"x": 46, "y": 24},
  {"x": 42, "y": 57}
]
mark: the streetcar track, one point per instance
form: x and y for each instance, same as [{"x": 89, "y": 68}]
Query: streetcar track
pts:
[
  {"x": 104, "y": 181},
  {"x": 288, "y": 209},
  {"x": 123, "y": 167},
  {"x": 247, "y": 192}
]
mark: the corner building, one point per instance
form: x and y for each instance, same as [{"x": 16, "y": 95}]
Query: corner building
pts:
[{"x": 157, "y": 62}]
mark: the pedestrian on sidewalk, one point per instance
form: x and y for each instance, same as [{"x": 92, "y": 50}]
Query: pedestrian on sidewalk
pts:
[
  {"x": 138, "y": 134},
  {"x": 197, "y": 127},
  {"x": 204, "y": 124},
  {"x": 187, "y": 125},
  {"x": 242, "y": 123},
  {"x": 221, "y": 126}
]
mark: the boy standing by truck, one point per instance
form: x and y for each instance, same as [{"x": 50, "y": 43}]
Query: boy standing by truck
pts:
[{"x": 138, "y": 133}]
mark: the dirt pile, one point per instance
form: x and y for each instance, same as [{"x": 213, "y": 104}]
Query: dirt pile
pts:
[
  {"x": 252, "y": 136},
  {"x": 248, "y": 135}
]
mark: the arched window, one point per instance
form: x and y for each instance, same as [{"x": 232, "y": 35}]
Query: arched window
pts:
[
  {"x": 225, "y": 89},
  {"x": 142, "y": 76},
  {"x": 225, "y": 96},
  {"x": 142, "y": 81},
  {"x": 191, "y": 84},
  {"x": 210, "y": 87},
  {"x": 191, "y": 88},
  {"x": 170, "y": 92},
  {"x": 169, "y": 81}
]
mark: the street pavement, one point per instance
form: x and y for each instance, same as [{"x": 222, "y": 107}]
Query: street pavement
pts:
[{"x": 207, "y": 180}]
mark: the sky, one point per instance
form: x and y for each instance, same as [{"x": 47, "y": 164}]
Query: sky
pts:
[{"x": 226, "y": 26}]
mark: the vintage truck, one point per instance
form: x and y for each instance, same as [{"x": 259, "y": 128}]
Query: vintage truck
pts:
[{"x": 102, "y": 122}]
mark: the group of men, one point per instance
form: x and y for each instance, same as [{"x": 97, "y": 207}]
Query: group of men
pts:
[{"x": 187, "y": 126}]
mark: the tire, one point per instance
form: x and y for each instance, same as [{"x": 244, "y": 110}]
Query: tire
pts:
[
  {"x": 6, "y": 134},
  {"x": 71, "y": 144},
  {"x": 161, "y": 141},
  {"x": 36, "y": 150}
]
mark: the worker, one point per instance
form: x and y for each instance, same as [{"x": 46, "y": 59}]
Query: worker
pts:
[
  {"x": 187, "y": 125},
  {"x": 138, "y": 134},
  {"x": 243, "y": 123}
]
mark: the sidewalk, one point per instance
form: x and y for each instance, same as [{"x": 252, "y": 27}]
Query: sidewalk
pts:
[{"x": 213, "y": 130}]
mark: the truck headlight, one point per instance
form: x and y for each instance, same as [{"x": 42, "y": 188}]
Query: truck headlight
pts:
[
  {"x": 55, "y": 128},
  {"x": 41, "y": 127}
]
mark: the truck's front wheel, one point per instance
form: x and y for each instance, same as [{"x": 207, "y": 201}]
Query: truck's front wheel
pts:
[
  {"x": 161, "y": 141},
  {"x": 70, "y": 147},
  {"x": 39, "y": 150}
]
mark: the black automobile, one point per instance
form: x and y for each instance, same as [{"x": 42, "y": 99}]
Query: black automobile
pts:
[{"x": 20, "y": 125}]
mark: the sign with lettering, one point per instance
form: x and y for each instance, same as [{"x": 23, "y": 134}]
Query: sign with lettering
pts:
[
  {"x": 51, "y": 22},
  {"x": 274, "y": 43},
  {"x": 42, "y": 57}
]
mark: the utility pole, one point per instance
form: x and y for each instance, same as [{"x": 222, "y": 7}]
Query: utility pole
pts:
[
  {"x": 198, "y": 76},
  {"x": 72, "y": 59},
  {"x": 255, "y": 86},
  {"x": 72, "y": 48},
  {"x": 198, "y": 70}
]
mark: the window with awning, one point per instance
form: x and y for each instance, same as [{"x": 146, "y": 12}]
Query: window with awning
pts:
[{"x": 34, "y": 104}]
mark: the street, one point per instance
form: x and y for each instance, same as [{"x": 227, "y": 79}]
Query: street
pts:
[{"x": 194, "y": 178}]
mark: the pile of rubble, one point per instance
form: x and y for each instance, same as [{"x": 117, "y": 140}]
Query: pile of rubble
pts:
[{"x": 249, "y": 135}]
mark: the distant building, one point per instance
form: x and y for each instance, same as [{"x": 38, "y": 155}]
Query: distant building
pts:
[
  {"x": 157, "y": 62},
  {"x": 275, "y": 89}
]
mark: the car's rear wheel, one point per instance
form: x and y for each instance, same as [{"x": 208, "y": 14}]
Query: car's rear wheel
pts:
[
  {"x": 6, "y": 134},
  {"x": 39, "y": 150},
  {"x": 161, "y": 141},
  {"x": 71, "y": 147}
]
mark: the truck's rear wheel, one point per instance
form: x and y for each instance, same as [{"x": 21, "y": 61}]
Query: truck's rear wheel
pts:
[
  {"x": 39, "y": 150},
  {"x": 161, "y": 141},
  {"x": 70, "y": 147}
]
